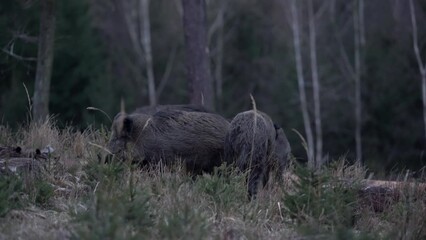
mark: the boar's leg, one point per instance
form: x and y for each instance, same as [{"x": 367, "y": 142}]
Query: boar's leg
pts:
[{"x": 253, "y": 180}]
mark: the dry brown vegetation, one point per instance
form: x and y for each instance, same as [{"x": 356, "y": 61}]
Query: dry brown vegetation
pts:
[{"x": 73, "y": 195}]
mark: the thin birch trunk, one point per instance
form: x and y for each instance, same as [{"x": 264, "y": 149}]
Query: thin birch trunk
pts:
[
  {"x": 44, "y": 60},
  {"x": 422, "y": 66},
  {"x": 301, "y": 83},
  {"x": 358, "y": 37},
  {"x": 316, "y": 86},
  {"x": 361, "y": 23},
  {"x": 146, "y": 43},
  {"x": 219, "y": 55}
]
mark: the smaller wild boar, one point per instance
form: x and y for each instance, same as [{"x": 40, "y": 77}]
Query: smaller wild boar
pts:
[
  {"x": 251, "y": 144},
  {"x": 282, "y": 152},
  {"x": 196, "y": 138}
]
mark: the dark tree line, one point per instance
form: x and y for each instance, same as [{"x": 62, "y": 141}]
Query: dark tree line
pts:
[{"x": 362, "y": 64}]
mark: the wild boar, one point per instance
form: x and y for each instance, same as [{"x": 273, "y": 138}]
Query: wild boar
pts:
[
  {"x": 282, "y": 152},
  {"x": 251, "y": 144},
  {"x": 179, "y": 107},
  {"x": 195, "y": 138}
]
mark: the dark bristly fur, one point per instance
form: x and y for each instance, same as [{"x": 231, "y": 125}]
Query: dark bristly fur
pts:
[
  {"x": 282, "y": 151},
  {"x": 194, "y": 137},
  {"x": 180, "y": 107},
  {"x": 251, "y": 143}
]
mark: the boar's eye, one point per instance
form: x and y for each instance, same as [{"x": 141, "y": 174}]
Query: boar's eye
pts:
[{"x": 127, "y": 126}]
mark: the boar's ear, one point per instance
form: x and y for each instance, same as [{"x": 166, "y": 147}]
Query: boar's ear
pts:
[
  {"x": 127, "y": 125},
  {"x": 276, "y": 130},
  {"x": 276, "y": 126},
  {"x": 122, "y": 107}
]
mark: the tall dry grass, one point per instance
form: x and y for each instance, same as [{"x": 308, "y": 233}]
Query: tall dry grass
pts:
[{"x": 77, "y": 196}]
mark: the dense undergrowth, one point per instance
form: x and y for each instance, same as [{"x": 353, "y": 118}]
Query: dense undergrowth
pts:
[{"x": 75, "y": 195}]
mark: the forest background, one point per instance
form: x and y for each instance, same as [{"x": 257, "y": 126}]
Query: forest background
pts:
[{"x": 362, "y": 74}]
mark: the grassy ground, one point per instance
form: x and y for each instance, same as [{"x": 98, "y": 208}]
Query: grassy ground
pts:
[{"x": 74, "y": 196}]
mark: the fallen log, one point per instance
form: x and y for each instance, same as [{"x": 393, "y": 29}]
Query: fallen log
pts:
[
  {"x": 18, "y": 165},
  {"x": 379, "y": 194},
  {"x": 8, "y": 152},
  {"x": 395, "y": 184},
  {"x": 17, "y": 152}
]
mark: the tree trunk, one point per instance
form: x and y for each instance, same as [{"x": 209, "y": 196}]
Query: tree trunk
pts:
[
  {"x": 44, "y": 60},
  {"x": 196, "y": 53},
  {"x": 316, "y": 86},
  {"x": 422, "y": 66},
  {"x": 358, "y": 39},
  {"x": 301, "y": 83},
  {"x": 146, "y": 43}
]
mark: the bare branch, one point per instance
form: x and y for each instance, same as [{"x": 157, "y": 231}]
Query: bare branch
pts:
[
  {"x": 179, "y": 7},
  {"x": 218, "y": 22},
  {"x": 25, "y": 37},
  {"x": 168, "y": 70},
  {"x": 345, "y": 58},
  {"x": 361, "y": 22},
  {"x": 322, "y": 10},
  {"x": 422, "y": 67},
  {"x": 10, "y": 53},
  {"x": 129, "y": 18},
  {"x": 345, "y": 64}
]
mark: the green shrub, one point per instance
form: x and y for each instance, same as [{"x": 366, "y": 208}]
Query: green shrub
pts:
[
  {"x": 320, "y": 201},
  {"x": 183, "y": 221},
  {"x": 121, "y": 214},
  {"x": 408, "y": 214},
  {"x": 43, "y": 192},
  {"x": 107, "y": 173},
  {"x": 225, "y": 187},
  {"x": 11, "y": 189}
]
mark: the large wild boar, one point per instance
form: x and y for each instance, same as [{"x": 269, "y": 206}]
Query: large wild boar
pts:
[
  {"x": 250, "y": 144},
  {"x": 196, "y": 138}
]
